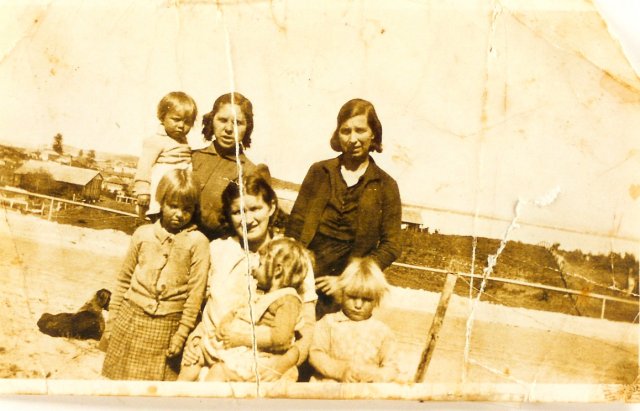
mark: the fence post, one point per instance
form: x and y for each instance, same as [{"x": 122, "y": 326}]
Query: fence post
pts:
[
  {"x": 436, "y": 324},
  {"x": 604, "y": 302},
  {"x": 50, "y": 209}
]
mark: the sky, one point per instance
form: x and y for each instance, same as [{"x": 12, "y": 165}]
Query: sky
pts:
[{"x": 484, "y": 104}]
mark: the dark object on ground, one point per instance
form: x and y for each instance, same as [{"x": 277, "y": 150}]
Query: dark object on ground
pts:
[{"x": 85, "y": 324}]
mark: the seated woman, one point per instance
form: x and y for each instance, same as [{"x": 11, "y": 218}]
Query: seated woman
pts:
[
  {"x": 348, "y": 206},
  {"x": 272, "y": 317},
  {"x": 232, "y": 263}
]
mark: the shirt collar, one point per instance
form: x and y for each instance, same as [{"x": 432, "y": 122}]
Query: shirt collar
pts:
[
  {"x": 163, "y": 235},
  {"x": 163, "y": 133},
  {"x": 341, "y": 317},
  {"x": 211, "y": 150},
  {"x": 371, "y": 174}
]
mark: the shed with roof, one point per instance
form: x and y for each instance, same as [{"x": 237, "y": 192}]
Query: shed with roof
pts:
[{"x": 47, "y": 176}]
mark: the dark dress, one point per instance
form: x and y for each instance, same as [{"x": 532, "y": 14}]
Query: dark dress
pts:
[
  {"x": 337, "y": 222},
  {"x": 213, "y": 170}
]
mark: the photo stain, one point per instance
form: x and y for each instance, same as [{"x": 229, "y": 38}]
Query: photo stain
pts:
[{"x": 634, "y": 191}]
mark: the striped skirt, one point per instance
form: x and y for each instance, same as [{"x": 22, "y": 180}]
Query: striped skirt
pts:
[{"x": 138, "y": 345}]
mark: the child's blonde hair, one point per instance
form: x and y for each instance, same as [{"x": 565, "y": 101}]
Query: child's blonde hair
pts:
[
  {"x": 178, "y": 185},
  {"x": 363, "y": 278},
  {"x": 177, "y": 99},
  {"x": 291, "y": 256}
]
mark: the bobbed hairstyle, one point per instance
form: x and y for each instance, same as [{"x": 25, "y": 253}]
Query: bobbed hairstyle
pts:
[
  {"x": 354, "y": 108},
  {"x": 178, "y": 186},
  {"x": 246, "y": 107},
  {"x": 363, "y": 278},
  {"x": 288, "y": 254},
  {"x": 255, "y": 184},
  {"x": 177, "y": 99}
]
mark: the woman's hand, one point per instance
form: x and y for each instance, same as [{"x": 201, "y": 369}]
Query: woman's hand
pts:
[
  {"x": 232, "y": 339},
  {"x": 327, "y": 284},
  {"x": 192, "y": 352}
]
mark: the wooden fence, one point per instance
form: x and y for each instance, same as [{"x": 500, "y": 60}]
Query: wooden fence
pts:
[{"x": 51, "y": 206}]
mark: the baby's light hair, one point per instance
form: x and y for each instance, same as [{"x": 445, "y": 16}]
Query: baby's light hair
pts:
[
  {"x": 177, "y": 99},
  {"x": 178, "y": 185},
  {"x": 363, "y": 278},
  {"x": 291, "y": 256}
]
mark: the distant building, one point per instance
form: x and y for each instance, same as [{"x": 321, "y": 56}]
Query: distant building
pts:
[
  {"x": 114, "y": 184},
  {"x": 51, "y": 155},
  {"x": 412, "y": 220},
  {"x": 48, "y": 155},
  {"x": 124, "y": 169},
  {"x": 72, "y": 181}
]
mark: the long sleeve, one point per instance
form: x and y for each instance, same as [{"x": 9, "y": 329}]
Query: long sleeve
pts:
[
  {"x": 303, "y": 343},
  {"x": 123, "y": 281},
  {"x": 390, "y": 244},
  {"x": 198, "y": 274},
  {"x": 300, "y": 209},
  {"x": 389, "y": 369},
  {"x": 286, "y": 312},
  {"x": 320, "y": 353},
  {"x": 151, "y": 149}
]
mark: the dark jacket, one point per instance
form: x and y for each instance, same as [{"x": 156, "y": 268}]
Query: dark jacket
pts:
[
  {"x": 379, "y": 212},
  {"x": 213, "y": 172}
]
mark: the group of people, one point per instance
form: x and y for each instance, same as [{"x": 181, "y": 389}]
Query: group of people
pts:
[{"x": 210, "y": 291}]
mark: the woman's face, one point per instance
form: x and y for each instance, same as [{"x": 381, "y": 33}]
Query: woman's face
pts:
[
  {"x": 223, "y": 125},
  {"x": 257, "y": 213},
  {"x": 355, "y": 137}
]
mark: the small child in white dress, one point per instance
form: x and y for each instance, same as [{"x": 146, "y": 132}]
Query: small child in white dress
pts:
[{"x": 350, "y": 345}]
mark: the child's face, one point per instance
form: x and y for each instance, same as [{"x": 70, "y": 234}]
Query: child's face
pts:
[
  {"x": 175, "y": 216},
  {"x": 177, "y": 122},
  {"x": 262, "y": 277},
  {"x": 356, "y": 307}
]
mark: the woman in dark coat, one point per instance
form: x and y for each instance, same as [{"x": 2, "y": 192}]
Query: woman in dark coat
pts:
[
  {"x": 217, "y": 164},
  {"x": 348, "y": 206}
]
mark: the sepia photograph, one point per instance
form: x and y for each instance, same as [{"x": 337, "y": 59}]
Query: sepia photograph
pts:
[{"x": 358, "y": 200}]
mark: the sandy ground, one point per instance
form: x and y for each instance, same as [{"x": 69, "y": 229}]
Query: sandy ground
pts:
[{"x": 47, "y": 267}]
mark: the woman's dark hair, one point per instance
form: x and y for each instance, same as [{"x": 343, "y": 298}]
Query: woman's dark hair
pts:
[
  {"x": 255, "y": 185},
  {"x": 246, "y": 107},
  {"x": 354, "y": 108}
]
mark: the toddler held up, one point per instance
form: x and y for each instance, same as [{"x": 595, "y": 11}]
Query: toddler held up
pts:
[{"x": 164, "y": 151}]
